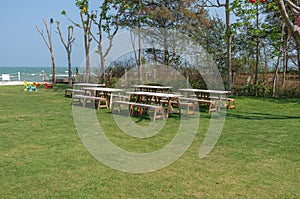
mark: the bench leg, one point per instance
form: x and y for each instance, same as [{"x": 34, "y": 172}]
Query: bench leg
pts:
[
  {"x": 162, "y": 111},
  {"x": 99, "y": 103},
  {"x": 84, "y": 102},
  {"x": 229, "y": 105},
  {"x": 74, "y": 99},
  {"x": 154, "y": 115},
  {"x": 131, "y": 109},
  {"x": 188, "y": 111}
]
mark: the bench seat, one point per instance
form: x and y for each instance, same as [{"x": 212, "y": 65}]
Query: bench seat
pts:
[
  {"x": 92, "y": 99},
  {"x": 189, "y": 107},
  {"x": 138, "y": 107},
  {"x": 210, "y": 103},
  {"x": 70, "y": 92}
]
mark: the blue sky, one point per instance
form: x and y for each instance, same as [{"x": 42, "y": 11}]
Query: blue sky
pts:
[{"x": 21, "y": 44}]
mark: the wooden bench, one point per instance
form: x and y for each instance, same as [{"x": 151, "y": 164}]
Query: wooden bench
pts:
[
  {"x": 120, "y": 97},
  {"x": 92, "y": 99},
  {"x": 230, "y": 103},
  {"x": 139, "y": 108},
  {"x": 154, "y": 108},
  {"x": 120, "y": 104},
  {"x": 70, "y": 92},
  {"x": 210, "y": 103},
  {"x": 189, "y": 107}
]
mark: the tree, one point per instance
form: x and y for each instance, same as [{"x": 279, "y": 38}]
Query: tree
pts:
[
  {"x": 85, "y": 25},
  {"x": 68, "y": 47},
  {"x": 107, "y": 23},
  {"x": 134, "y": 17},
  {"x": 289, "y": 19},
  {"x": 249, "y": 18},
  {"x": 49, "y": 45},
  {"x": 187, "y": 17},
  {"x": 226, "y": 6}
]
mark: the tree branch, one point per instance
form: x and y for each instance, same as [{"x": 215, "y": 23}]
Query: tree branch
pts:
[
  {"x": 43, "y": 36},
  {"x": 295, "y": 8},
  {"x": 213, "y": 5},
  {"x": 294, "y": 29}
]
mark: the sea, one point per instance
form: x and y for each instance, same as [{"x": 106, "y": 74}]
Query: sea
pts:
[{"x": 33, "y": 73}]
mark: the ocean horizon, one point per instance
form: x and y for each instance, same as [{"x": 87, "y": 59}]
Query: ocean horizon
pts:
[{"x": 33, "y": 73}]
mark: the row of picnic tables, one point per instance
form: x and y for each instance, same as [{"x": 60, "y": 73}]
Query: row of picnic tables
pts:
[{"x": 154, "y": 95}]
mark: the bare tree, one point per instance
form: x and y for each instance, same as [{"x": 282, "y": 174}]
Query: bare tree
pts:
[
  {"x": 294, "y": 29},
  {"x": 49, "y": 45},
  {"x": 68, "y": 47},
  {"x": 86, "y": 24}
]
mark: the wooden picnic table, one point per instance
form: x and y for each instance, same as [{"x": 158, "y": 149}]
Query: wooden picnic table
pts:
[
  {"x": 156, "y": 98},
  {"x": 208, "y": 94},
  {"x": 102, "y": 92},
  {"x": 152, "y": 88}
]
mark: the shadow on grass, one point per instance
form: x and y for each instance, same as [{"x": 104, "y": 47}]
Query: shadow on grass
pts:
[{"x": 259, "y": 116}]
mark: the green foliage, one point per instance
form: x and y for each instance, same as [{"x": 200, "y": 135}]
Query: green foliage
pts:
[
  {"x": 83, "y": 5},
  {"x": 290, "y": 92},
  {"x": 249, "y": 90},
  {"x": 266, "y": 91}
]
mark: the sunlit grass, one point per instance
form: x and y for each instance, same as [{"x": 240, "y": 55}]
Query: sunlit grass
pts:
[{"x": 257, "y": 155}]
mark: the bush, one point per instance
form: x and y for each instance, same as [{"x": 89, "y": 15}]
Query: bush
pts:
[
  {"x": 249, "y": 90},
  {"x": 290, "y": 92}
]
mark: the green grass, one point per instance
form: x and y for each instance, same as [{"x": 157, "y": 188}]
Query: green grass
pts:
[{"x": 42, "y": 156}]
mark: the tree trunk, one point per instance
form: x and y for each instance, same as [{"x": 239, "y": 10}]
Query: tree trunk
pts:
[
  {"x": 87, "y": 58},
  {"x": 229, "y": 40},
  {"x": 285, "y": 62},
  {"x": 140, "y": 43},
  {"x": 86, "y": 24},
  {"x": 257, "y": 53},
  {"x": 53, "y": 68},
  {"x": 298, "y": 56},
  {"x": 70, "y": 82},
  {"x": 102, "y": 62},
  {"x": 275, "y": 78},
  {"x": 166, "y": 48},
  {"x": 140, "y": 54}
]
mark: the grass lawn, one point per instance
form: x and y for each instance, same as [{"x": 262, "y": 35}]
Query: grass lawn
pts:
[{"x": 42, "y": 156}]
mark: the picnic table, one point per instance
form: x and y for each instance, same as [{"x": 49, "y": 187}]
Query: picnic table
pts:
[
  {"x": 217, "y": 95},
  {"x": 152, "y": 88},
  {"x": 102, "y": 92},
  {"x": 156, "y": 98},
  {"x": 77, "y": 88}
]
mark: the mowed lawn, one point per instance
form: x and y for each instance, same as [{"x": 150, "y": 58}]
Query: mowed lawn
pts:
[{"x": 42, "y": 156}]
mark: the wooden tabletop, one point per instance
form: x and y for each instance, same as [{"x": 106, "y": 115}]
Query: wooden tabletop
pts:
[
  {"x": 104, "y": 89},
  {"x": 151, "y": 87},
  {"x": 89, "y": 84},
  {"x": 162, "y": 95},
  {"x": 205, "y": 91}
]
